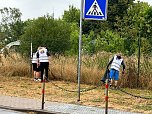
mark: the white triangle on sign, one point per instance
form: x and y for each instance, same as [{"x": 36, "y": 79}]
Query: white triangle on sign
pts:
[{"x": 95, "y": 10}]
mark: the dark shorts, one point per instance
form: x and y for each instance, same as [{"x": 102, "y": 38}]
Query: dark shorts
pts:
[{"x": 35, "y": 68}]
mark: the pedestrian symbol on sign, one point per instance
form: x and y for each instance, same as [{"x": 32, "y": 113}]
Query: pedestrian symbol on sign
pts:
[{"x": 95, "y": 10}]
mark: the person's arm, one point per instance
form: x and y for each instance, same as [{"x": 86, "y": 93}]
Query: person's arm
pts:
[
  {"x": 37, "y": 54},
  {"x": 48, "y": 54},
  {"x": 38, "y": 62},
  {"x": 123, "y": 65},
  {"x": 110, "y": 62}
]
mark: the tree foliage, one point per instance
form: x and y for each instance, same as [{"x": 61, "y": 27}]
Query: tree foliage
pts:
[
  {"x": 72, "y": 15},
  {"x": 11, "y": 24},
  {"x": 147, "y": 31},
  {"x": 131, "y": 27},
  {"x": 45, "y": 31},
  {"x": 117, "y": 9},
  {"x": 127, "y": 22},
  {"x": 108, "y": 41}
]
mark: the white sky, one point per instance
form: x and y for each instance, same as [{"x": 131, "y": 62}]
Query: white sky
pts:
[{"x": 36, "y": 8}]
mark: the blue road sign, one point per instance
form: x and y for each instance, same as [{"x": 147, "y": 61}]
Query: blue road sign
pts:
[{"x": 95, "y": 9}]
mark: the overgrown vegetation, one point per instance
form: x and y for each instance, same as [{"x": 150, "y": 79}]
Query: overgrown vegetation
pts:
[
  {"x": 128, "y": 27},
  {"x": 93, "y": 68}
]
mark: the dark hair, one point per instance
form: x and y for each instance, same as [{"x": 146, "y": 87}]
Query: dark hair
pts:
[{"x": 118, "y": 56}]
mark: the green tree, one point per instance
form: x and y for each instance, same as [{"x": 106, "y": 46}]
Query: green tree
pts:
[
  {"x": 11, "y": 24},
  {"x": 45, "y": 31},
  {"x": 96, "y": 26},
  {"x": 117, "y": 9},
  {"x": 132, "y": 25},
  {"x": 74, "y": 36},
  {"x": 2, "y": 39},
  {"x": 72, "y": 15},
  {"x": 147, "y": 30},
  {"x": 88, "y": 43},
  {"x": 109, "y": 41}
]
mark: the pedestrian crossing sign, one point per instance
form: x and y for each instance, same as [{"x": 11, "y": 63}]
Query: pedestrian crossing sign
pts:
[{"x": 95, "y": 9}]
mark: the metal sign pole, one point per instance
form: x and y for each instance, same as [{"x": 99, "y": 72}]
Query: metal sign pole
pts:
[
  {"x": 97, "y": 10},
  {"x": 79, "y": 54}
]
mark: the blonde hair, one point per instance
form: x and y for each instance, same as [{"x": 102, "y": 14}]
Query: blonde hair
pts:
[{"x": 39, "y": 48}]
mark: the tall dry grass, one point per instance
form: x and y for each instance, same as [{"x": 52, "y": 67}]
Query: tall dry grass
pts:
[
  {"x": 132, "y": 79},
  {"x": 13, "y": 65},
  {"x": 92, "y": 69}
]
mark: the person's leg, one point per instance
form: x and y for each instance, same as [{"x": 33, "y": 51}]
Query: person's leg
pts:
[
  {"x": 116, "y": 78},
  {"x": 34, "y": 75},
  {"x": 38, "y": 73},
  {"x": 116, "y": 83},
  {"x": 111, "y": 76},
  {"x": 42, "y": 70},
  {"x": 46, "y": 70},
  {"x": 34, "y": 70}
]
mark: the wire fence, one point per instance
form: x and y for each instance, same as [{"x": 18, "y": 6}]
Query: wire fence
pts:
[
  {"x": 142, "y": 97},
  {"x": 83, "y": 90}
]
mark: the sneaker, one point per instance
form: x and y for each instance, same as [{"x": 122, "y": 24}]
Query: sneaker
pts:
[
  {"x": 35, "y": 79},
  {"x": 39, "y": 79}
]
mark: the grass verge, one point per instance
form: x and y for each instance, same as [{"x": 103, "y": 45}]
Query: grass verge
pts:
[{"x": 26, "y": 87}]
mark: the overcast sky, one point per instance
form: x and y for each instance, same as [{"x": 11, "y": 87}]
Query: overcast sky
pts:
[{"x": 36, "y": 8}]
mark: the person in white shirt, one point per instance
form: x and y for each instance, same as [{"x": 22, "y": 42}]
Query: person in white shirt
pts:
[
  {"x": 43, "y": 62},
  {"x": 115, "y": 63},
  {"x": 36, "y": 69}
]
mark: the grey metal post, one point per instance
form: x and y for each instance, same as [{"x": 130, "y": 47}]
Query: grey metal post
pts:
[
  {"x": 139, "y": 45},
  {"x": 79, "y": 54}
]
